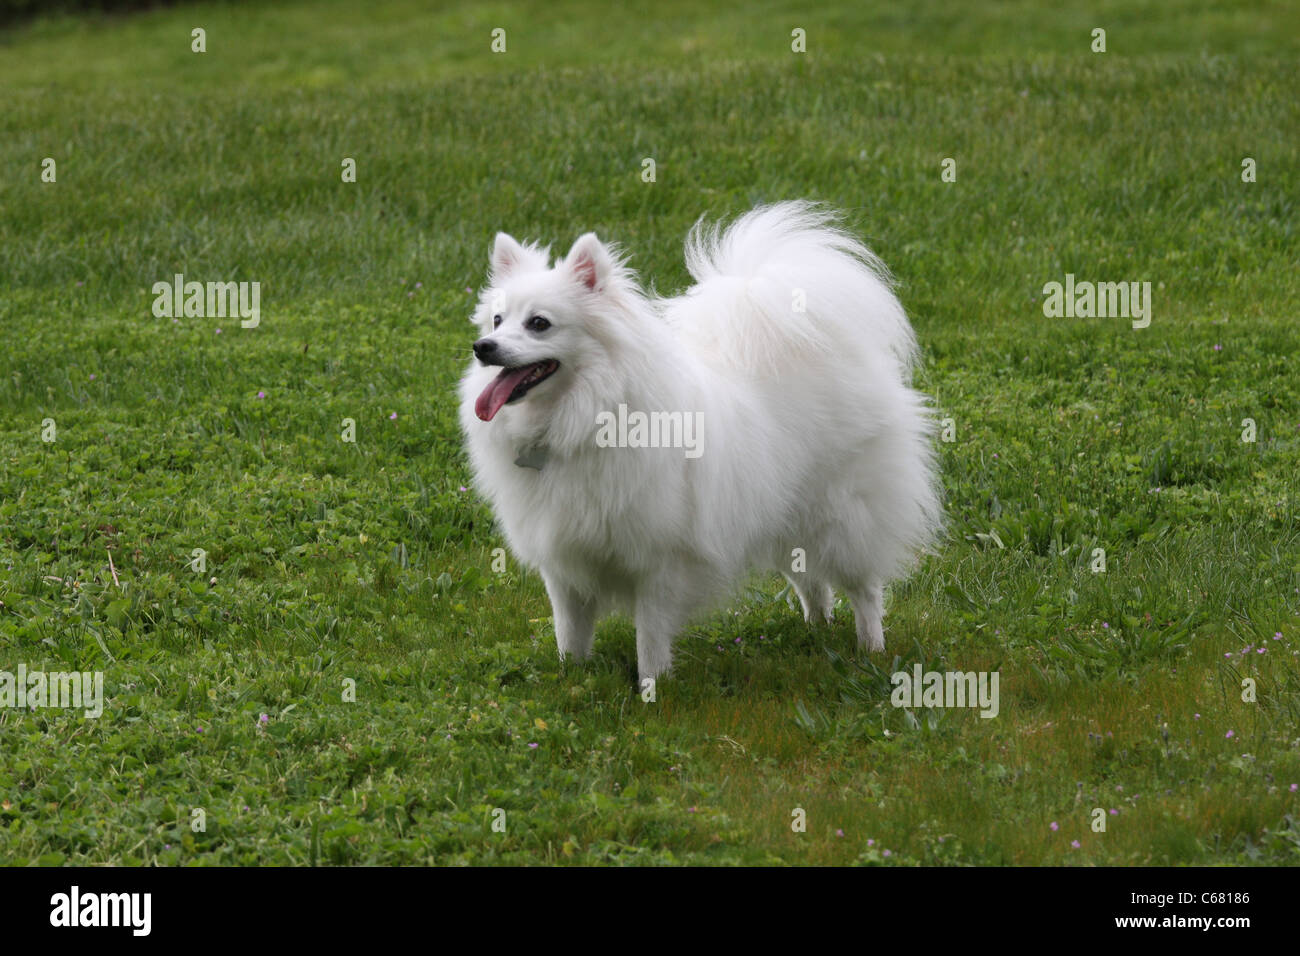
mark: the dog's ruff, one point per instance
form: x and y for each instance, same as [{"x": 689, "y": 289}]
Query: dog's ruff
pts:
[{"x": 816, "y": 457}]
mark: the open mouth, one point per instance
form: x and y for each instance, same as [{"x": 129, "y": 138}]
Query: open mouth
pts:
[{"x": 511, "y": 385}]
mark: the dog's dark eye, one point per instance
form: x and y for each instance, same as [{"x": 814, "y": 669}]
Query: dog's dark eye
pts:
[
  {"x": 537, "y": 324},
  {"x": 496, "y": 321}
]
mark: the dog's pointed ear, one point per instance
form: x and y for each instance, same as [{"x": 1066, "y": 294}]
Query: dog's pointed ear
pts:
[
  {"x": 590, "y": 262},
  {"x": 507, "y": 254}
]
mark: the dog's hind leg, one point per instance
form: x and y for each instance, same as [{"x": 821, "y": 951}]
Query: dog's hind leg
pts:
[
  {"x": 575, "y": 619},
  {"x": 868, "y": 612},
  {"x": 817, "y": 598}
]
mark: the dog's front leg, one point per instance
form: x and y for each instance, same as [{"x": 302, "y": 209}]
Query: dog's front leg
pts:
[
  {"x": 663, "y": 604},
  {"x": 575, "y": 619},
  {"x": 656, "y": 628}
]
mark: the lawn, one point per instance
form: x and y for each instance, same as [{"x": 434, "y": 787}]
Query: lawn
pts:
[{"x": 348, "y": 673}]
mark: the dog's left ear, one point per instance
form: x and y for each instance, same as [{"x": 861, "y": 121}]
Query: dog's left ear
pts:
[{"x": 590, "y": 262}]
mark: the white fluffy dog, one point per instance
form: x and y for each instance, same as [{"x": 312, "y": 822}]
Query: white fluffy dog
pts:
[{"x": 642, "y": 452}]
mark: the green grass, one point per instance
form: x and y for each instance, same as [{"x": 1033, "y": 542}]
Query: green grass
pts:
[{"x": 330, "y": 562}]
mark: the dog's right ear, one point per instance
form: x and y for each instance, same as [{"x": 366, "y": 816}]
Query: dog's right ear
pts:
[{"x": 507, "y": 254}]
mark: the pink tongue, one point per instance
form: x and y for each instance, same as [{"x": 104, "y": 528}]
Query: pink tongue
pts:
[{"x": 498, "y": 392}]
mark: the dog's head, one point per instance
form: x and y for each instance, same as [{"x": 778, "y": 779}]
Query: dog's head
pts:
[{"x": 536, "y": 322}]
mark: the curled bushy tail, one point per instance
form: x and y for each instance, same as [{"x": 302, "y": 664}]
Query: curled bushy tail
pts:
[{"x": 805, "y": 285}]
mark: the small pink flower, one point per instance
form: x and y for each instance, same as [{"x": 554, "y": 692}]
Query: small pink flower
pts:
[
  {"x": 1105, "y": 625},
  {"x": 261, "y": 394},
  {"x": 1075, "y": 844},
  {"x": 1261, "y": 650},
  {"x": 532, "y": 746},
  {"x": 736, "y": 641},
  {"x": 264, "y": 720},
  {"x": 871, "y": 843},
  {"x": 463, "y": 488},
  {"x": 839, "y": 833},
  {"x": 1277, "y": 636},
  {"x": 1054, "y": 826},
  {"x": 1230, "y": 734},
  {"x": 690, "y": 809},
  {"x": 1218, "y": 347},
  {"x": 887, "y": 853},
  {"x": 1114, "y": 813},
  {"x": 419, "y": 285},
  {"x": 1295, "y": 787},
  {"x": 92, "y": 376},
  {"x": 392, "y": 417},
  {"x": 1197, "y": 716},
  {"x": 218, "y": 331}
]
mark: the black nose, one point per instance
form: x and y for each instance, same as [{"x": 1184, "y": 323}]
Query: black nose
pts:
[{"x": 484, "y": 349}]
